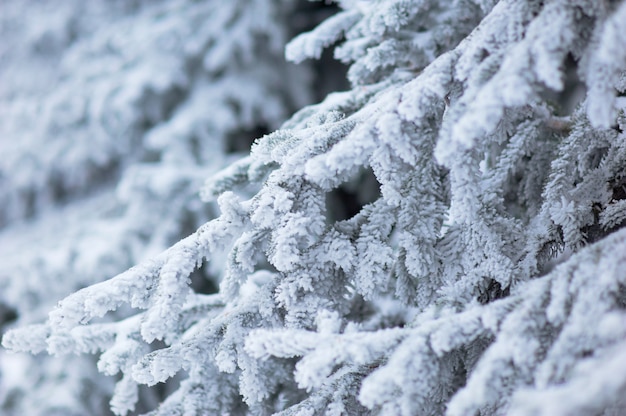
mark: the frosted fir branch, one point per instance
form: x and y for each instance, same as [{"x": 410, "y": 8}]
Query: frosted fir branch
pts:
[
  {"x": 161, "y": 282},
  {"x": 593, "y": 389},
  {"x": 334, "y": 107},
  {"x": 200, "y": 395},
  {"x": 126, "y": 350},
  {"x": 89, "y": 339},
  {"x": 499, "y": 169},
  {"x": 282, "y": 345},
  {"x": 375, "y": 123},
  {"x": 311, "y": 45},
  {"x": 605, "y": 66},
  {"x": 221, "y": 331},
  {"x": 613, "y": 215},
  {"x": 321, "y": 352},
  {"x": 172, "y": 291},
  {"x": 593, "y": 170},
  {"x": 242, "y": 260},
  {"x": 236, "y": 177},
  {"x": 125, "y": 396},
  {"x": 373, "y": 267},
  {"x": 134, "y": 287},
  {"x": 338, "y": 161},
  {"x": 480, "y": 226},
  {"x": 557, "y": 332},
  {"x": 334, "y": 397},
  {"x": 100, "y": 337},
  {"x": 31, "y": 339},
  {"x": 157, "y": 366},
  {"x": 394, "y": 15},
  {"x": 518, "y": 70},
  {"x": 368, "y": 44},
  {"x": 310, "y": 132}
]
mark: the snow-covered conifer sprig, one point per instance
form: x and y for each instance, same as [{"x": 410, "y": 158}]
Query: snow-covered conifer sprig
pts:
[
  {"x": 381, "y": 37},
  {"x": 331, "y": 30},
  {"x": 151, "y": 284}
]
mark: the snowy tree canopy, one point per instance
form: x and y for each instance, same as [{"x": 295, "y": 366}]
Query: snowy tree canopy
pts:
[{"x": 443, "y": 237}]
